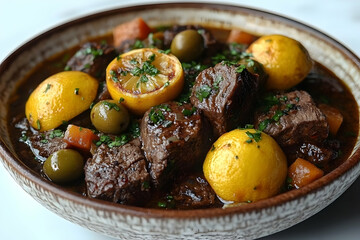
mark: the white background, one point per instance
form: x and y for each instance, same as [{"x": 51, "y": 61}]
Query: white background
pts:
[{"x": 21, "y": 217}]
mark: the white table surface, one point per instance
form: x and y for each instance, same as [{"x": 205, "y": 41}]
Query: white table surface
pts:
[{"x": 21, "y": 217}]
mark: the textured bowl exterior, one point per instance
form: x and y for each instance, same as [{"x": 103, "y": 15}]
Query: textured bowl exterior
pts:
[{"x": 125, "y": 222}]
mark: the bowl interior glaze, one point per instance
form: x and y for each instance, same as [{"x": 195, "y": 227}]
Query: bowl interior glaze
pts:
[{"x": 249, "y": 221}]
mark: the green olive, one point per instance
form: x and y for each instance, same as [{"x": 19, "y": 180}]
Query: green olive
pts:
[
  {"x": 64, "y": 166},
  {"x": 187, "y": 45},
  {"x": 109, "y": 116}
]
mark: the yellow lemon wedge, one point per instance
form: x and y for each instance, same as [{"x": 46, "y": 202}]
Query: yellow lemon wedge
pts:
[
  {"x": 286, "y": 61},
  {"x": 245, "y": 166},
  {"x": 143, "y": 78},
  {"x": 60, "y": 98}
]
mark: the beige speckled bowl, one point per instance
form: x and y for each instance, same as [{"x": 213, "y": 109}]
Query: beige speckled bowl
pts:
[{"x": 249, "y": 221}]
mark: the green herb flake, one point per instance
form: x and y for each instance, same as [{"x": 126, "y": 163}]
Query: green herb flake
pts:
[
  {"x": 67, "y": 68},
  {"x": 161, "y": 204},
  {"x": 203, "y": 92},
  {"x": 254, "y": 136},
  {"x": 113, "y": 75},
  {"x": 240, "y": 68},
  {"x": 133, "y": 61},
  {"x": 56, "y": 133},
  {"x": 38, "y": 125},
  {"x": 121, "y": 100},
  {"x": 167, "y": 51},
  {"x": 111, "y": 105},
  {"x": 92, "y": 105},
  {"x": 76, "y": 91},
  {"x": 278, "y": 114},
  {"x": 23, "y": 137},
  {"x": 166, "y": 84},
  {"x": 144, "y": 79},
  {"x": 48, "y": 86},
  {"x": 119, "y": 141},
  {"x": 263, "y": 125},
  {"x": 212, "y": 148},
  {"x": 189, "y": 112}
]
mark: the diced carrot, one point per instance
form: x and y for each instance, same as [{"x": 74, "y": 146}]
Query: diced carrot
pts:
[
  {"x": 303, "y": 172},
  {"x": 333, "y": 117},
  {"x": 240, "y": 37},
  {"x": 134, "y": 29},
  {"x": 79, "y": 137}
]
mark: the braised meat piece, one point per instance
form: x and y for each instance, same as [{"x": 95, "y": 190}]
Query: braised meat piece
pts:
[
  {"x": 226, "y": 94},
  {"x": 320, "y": 154},
  {"x": 118, "y": 174},
  {"x": 194, "y": 191},
  {"x": 292, "y": 118},
  {"x": 43, "y": 144},
  {"x": 175, "y": 138},
  {"x": 92, "y": 58}
]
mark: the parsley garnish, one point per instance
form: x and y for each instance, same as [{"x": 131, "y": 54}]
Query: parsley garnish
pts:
[
  {"x": 156, "y": 115},
  {"x": 111, "y": 105},
  {"x": 167, "y": 51},
  {"x": 38, "y": 124},
  {"x": 56, "y": 133},
  {"x": 48, "y": 86},
  {"x": 189, "y": 112},
  {"x": 240, "y": 68},
  {"x": 253, "y": 136},
  {"x": 113, "y": 75},
  {"x": 203, "y": 92},
  {"x": 76, "y": 91}
]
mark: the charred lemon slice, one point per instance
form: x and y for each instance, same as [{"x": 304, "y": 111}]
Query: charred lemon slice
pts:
[
  {"x": 60, "y": 98},
  {"x": 143, "y": 78}
]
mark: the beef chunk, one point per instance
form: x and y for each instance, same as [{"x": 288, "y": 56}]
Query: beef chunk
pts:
[
  {"x": 92, "y": 58},
  {"x": 194, "y": 192},
  {"x": 175, "y": 138},
  {"x": 292, "y": 118},
  {"x": 226, "y": 95},
  {"x": 118, "y": 174},
  {"x": 43, "y": 144},
  {"x": 320, "y": 154}
]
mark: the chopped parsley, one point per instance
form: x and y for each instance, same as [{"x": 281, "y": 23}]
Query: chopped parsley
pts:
[
  {"x": 253, "y": 136},
  {"x": 121, "y": 100},
  {"x": 217, "y": 82},
  {"x": 138, "y": 44},
  {"x": 203, "y": 91},
  {"x": 113, "y": 76},
  {"x": 76, "y": 91},
  {"x": 133, "y": 61},
  {"x": 23, "y": 137},
  {"x": 157, "y": 117},
  {"x": 48, "y": 86},
  {"x": 111, "y": 105},
  {"x": 240, "y": 68},
  {"x": 189, "y": 112},
  {"x": 38, "y": 125},
  {"x": 118, "y": 141},
  {"x": 56, "y": 133},
  {"x": 167, "y": 51},
  {"x": 143, "y": 79}
]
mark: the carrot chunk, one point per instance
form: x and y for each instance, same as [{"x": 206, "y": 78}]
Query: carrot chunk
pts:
[
  {"x": 79, "y": 137},
  {"x": 333, "y": 117},
  {"x": 134, "y": 29},
  {"x": 240, "y": 37},
  {"x": 303, "y": 172}
]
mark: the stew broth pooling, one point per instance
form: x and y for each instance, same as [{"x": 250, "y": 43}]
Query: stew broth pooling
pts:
[{"x": 162, "y": 116}]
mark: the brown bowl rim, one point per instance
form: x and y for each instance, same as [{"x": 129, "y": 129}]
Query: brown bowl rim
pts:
[{"x": 16, "y": 164}]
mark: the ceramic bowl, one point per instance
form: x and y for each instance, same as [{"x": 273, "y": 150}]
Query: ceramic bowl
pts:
[{"x": 126, "y": 222}]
